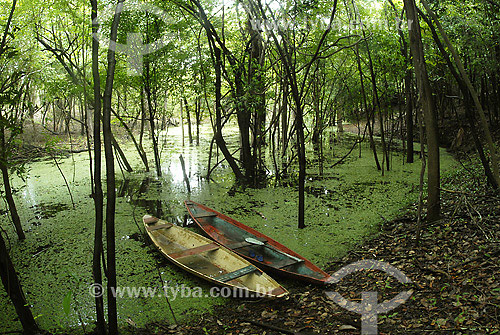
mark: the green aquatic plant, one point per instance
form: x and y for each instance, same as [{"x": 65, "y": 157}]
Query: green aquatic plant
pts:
[{"x": 343, "y": 208}]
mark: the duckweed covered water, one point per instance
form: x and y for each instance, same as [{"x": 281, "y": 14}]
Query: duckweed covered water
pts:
[{"x": 343, "y": 207}]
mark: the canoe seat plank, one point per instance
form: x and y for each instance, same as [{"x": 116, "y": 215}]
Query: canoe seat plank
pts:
[
  {"x": 150, "y": 220},
  {"x": 286, "y": 262},
  {"x": 161, "y": 226},
  {"x": 194, "y": 251},
  {"x": 237, "y": 245},
  {"x": 204, "y": 215},
  {"x": 236, "y": 274}
]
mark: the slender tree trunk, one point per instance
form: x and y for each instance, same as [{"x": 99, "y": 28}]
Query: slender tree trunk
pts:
[
  {"x": 198, "y": 119},
  {"x": 188, "y": 118},
  {"x": 244, "y": 127},
  {"x": 365, "y": 106},
  {"x": 495, "y": 97},
  {"x": 302, "y": 165},
  {"x": 138, "y": 147},
  {"x": 468, "y": 105},
  {"x": 284, "y": 120},
  {"x": 299, "y": 128},
  {"x": 217, "y": 62},
  {"x": 473, "y": 93},
  {"x": 143, "y": 119},
  {"x": 3, "y": 147},
  {"x": 377, "y": 101},
  {"x": 408, "y": 89},
  {"x": 257, "y": 100},
  {"x": 98, "y": 194},
  {"x": 317, "y": 118},
  {"x": 10, "y": 202},
  {"x": 428, "y": 106},
  {"x": 54, "y": 115},
  {"x": 209, "y": 170},
  {"x": 110, "y": 177},
  {"x": 298, "y": 94},
  {"x": 418, "y": 230},
  {"x": 409, "y": 117},
  {"x": 82, "y": 117},
  {"x": 217, "y": 45},
  {"x": 218, "y": 115},
  {"x": 182, "y": 123},
  {"x": 152, "y": 114},
  {"x": 14, "y": 290},
  {"x": 121, "y": 154}
]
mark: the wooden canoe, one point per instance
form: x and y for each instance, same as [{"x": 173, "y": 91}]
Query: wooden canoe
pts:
[
  {"x": 211, "y": 261},
  {"x": 272, "y": 256}
]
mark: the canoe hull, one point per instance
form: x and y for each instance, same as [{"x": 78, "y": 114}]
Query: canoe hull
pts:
[
  {"x": 273, "y": 257},
  {"x": 210, "y": 261}
]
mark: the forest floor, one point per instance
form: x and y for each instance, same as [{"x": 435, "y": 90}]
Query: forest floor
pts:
[{"x": 455, "y": 271}]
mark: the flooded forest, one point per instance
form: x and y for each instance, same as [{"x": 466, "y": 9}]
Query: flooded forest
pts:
[{"x": 249, "y": 167}]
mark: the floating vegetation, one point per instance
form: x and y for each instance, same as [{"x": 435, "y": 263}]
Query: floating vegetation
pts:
[{"x": 342, "y": 208}]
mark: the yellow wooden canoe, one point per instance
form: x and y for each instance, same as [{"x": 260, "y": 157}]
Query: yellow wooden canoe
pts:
[{"x": 211, "y": 261}]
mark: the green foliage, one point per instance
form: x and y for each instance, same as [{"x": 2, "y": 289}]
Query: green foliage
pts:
[
  {"x": 51, "y": 143},
  {"x": 66, "y": 303}
]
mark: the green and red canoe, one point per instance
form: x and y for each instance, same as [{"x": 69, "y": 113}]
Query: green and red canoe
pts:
[{"x": 258, "y": 248}]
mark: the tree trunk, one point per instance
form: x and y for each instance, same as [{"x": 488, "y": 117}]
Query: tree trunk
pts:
[
  {"x": 284, "y": 119},
  {"x": 298, "y": 94},
  {"x": 143, "y": 120},
  {"x": 495, "y": 97},
  {"x": 14, "y": 290},
  {"x": 98, "y": 194},
  {"x": 217, "y": 62},
  {"x": 138, "y": 147},
  {"x": 315, "y": 91},
  {"x": 408, "y": 89},
  {"x": 198, "y": 119},
  {"x": 54, "y": 116},
  {"x": 428, "y": 106},
  {"x": 83, "y": 122},
  {"x": 110, "y": 177},
  {"x": 244, "y": 126},
  {"x": 377, "y": 101},
  {"x": 188, "y": 119},
  {"x": 10, "y": 201},
  {"x": 151, "y": 118},
  {"x": 256, "y": 101},
  {"x": 218, "y": 117},
  {"x": 182, "y": 124},
  {"x": 365, "y": 106},
  {"x": 120, "y": 152},
  {"x": 409, "y": 117},
  {"x": 473, "y": 93},
  {"x": 468, "y": 105},
  {"x": 301, "y": 146}
]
